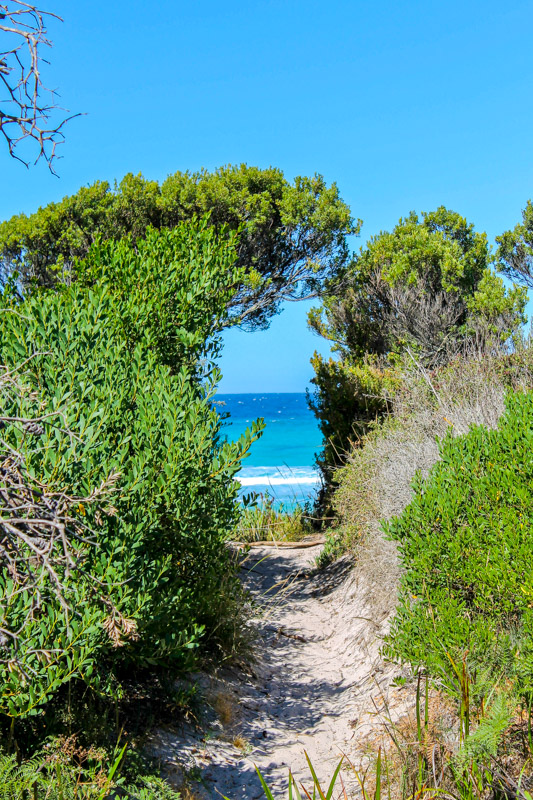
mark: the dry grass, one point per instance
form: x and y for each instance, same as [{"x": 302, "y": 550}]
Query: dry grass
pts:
[
  {"x": 242, "y": 744},
  {"x": 187, "y": 793},
  {"x": 224, "y": 706}
]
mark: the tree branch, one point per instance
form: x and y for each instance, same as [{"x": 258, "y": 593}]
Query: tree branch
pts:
[{"x": 26, "y": 114}]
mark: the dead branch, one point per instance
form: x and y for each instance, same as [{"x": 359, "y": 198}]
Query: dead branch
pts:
[
  {"x": 44, "y": 532},
  {"x": 28, "y": 109}
]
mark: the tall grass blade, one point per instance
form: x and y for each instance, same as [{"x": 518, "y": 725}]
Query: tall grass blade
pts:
[
  {"x": 343, "y": 789},
  {"x": 307, "y": 793},
  {"x": 266, "y": 790},
  {"x": 111, "y": 775},
  {"x": 418, "y": 719},
  {"x": 333, "y": 781},
  {"x": 377, "y": 793},
  {"x": 426, "y": 705},
  {"x": 294, "y": 785},
  {"x": 360, "y": 781},
  {"x": 316, "y": 782}
]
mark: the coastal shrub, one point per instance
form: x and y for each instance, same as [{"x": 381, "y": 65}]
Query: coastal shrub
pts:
[
  {"x": 347, "y": 400},
  {"x": 425, "y": 289},
  {"x": 375, "y": 484},
  {"x": 292, "y": 235},
  {"x": 467, "y": 553},
  {"x": 120, "y": 368}
]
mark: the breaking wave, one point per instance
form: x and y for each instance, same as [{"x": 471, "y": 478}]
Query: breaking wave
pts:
[{"x": 278, "y": 476}]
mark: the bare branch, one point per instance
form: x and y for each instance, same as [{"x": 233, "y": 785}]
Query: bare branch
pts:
[
  {"x": 44, "y": 537},
  {"x": 28, "y": 109}
]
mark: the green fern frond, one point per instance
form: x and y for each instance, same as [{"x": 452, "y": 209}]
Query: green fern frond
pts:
[{"x": 485, "y": 739}]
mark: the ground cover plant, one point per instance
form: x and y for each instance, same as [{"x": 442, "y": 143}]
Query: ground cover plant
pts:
[{"x": 465, "y": 544}]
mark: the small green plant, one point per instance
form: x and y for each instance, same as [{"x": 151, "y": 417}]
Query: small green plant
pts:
[
  {"x": 269, "y": 521},
  {"x": 47, "y": 777}
]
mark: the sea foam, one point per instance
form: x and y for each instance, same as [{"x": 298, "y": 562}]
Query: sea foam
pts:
[{"x": 278, "y": 476}]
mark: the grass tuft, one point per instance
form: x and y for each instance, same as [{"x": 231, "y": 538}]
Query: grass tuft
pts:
[{"x": 269, "y": 521}]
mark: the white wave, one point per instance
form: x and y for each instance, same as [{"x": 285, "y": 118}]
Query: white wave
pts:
[
  {"x": 278, "y": 476},
  {"x": 312, "y": 480}
]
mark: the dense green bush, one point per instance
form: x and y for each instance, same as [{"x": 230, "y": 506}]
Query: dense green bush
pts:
[
  {"x": 121, "y": 370},
  {"x": 466, "y": 546}
]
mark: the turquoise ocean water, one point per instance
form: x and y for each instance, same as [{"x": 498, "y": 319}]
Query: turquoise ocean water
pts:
[{"x": 282, "y": 462}]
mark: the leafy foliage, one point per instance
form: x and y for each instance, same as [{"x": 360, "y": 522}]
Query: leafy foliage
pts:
[
  {"x": 292, "y": 236},
  {"x": 349, "y": 398},
  {"x": 438, "y": 259},
  {"x": 124, "y": 357},
  {"x": 515, "y": 249},
  {"x": 465, "y": 543}
]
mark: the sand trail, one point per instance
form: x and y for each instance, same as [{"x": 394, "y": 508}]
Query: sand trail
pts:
[{"x": 317, "y": 685}]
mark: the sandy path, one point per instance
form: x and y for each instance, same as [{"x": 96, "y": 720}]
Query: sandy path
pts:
[{"x": 316, "y": 685}]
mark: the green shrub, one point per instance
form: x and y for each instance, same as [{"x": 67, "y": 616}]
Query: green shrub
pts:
[
  {"x": 466, "y": 546},
  {"x": 425, "y": 288},
  {"x": 121, "y": 369},
  {"x": 375, "y": 483},
  {"x": 49, "y": 777},
  {"x": 347, "y": 400}
]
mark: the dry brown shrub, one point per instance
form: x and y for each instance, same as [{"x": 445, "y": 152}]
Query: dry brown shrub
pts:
[{"x": 223, "y": 703}]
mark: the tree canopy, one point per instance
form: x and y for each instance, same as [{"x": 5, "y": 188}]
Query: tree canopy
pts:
[
  {"x": 292, "y": 236},
  {"x": 421, "y": 285},
  {"x": 515, "y": 250},
  {"x": 425, "y": 287}
]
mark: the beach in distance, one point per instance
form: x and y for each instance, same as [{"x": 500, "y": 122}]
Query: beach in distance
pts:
[{"x": 282, "y": 462}]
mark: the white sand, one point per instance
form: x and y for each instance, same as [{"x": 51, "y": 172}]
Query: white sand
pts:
[{"x": 319, "y": 684}]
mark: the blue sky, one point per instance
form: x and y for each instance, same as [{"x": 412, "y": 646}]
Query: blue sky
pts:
[{"x": 405, "y": 105}]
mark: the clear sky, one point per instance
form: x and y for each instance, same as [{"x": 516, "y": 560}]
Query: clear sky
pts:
[{"x": 406, "y": 105}]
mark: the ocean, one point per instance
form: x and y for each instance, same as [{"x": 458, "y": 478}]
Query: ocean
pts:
[{"x": 282, "y": 463}]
